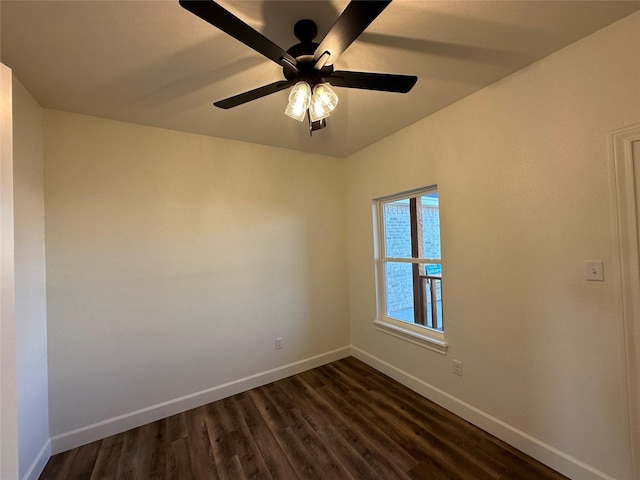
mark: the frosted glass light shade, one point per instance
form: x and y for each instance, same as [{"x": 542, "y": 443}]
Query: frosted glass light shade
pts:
[
  {"x": 323, "y": 102},
  {"x": 299, "y": 100},
  {"x": 317, "y": 111}
]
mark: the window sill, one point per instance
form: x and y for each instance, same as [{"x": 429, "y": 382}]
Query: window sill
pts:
[{"x": 433, "y": 341}]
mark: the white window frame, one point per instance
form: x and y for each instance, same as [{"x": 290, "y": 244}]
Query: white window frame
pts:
[{"x": 417, "y": 334}]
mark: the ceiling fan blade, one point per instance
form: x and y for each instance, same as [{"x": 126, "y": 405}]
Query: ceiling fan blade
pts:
[
  {"x": 217, "y": 16},
  {"x": 253, "y": 94},
  {"x": 349, "y": 25},
  {"x": 385, "y": 82}
]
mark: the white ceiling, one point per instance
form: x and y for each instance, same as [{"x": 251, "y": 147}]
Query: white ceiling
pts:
[{"x": 154, "y": 63}]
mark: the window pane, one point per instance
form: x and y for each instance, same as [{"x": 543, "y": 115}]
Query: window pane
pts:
[
  {"x": 399, "y": 291},
  {"x": 431, "y": 284},
  {"x": 397, "y": 229},
  {"x": 400, "y": 300},
  {"x": 430, "y": 226}
]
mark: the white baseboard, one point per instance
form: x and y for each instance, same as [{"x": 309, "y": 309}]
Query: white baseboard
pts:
[
  {"x": 90, "y": 433},
  {"x": 37, "y": 466},
  {"x": 541, "y": 451}
]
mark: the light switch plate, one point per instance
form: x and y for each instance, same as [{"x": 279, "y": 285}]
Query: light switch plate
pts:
[{"x": 594, "y": 270}]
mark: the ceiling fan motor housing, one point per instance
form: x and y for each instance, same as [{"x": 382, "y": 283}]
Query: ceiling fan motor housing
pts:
[{"x": 305, "y": 30}]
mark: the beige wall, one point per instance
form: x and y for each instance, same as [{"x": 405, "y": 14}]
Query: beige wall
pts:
[
  {"x": 522, "y": 171},
  {"x": 30, "y": 289},
  {"x": 175, "y": 260}
]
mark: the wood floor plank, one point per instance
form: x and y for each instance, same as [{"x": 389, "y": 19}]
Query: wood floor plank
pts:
[
  {"x": 428, "y": 412},
  {"x": 221, "y": 444},
  {"x": 84, "y": 461},
  {"x": 333, "y": 418},
  {"x": 321, "y": 453},
  {"x": 135, "y": 459},
  {"x": 400, "y": 450},
  {"x": 453, "y": 451},
  {"x": 303, "y": 463},
  {"x": 276, "y": 462},
  {"x": 200, "y": 453},
  {"x": 280, "y": 419},
  {"x": 517, "y": 464},
  {"x": 431, "y": 470},
  {"x": 237, "y": 473},
  {"x": 59, "y": 466},
  {"x": 349, "y": 456},
  {"x": 157, "y": 438},
  {"x": 276, "y": 416},
  {"x": 108, "y": 458},
  {"x": 462, "y": 434},
  {"x": 343, "y": 421},
  {"x": 181, "y": 461},
  {"x": 253, "y": 463}
]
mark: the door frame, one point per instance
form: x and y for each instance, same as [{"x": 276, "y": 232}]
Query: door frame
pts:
[
  {"x": 8, "y": 388},
  {"x": 625, "y": 180}
]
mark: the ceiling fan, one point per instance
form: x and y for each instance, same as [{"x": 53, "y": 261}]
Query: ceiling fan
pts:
[{"x": 307, "y": 66}]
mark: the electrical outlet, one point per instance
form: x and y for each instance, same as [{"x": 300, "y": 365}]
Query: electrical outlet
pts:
[
  {"x": 279, "y": 343},
  {"x": 457, "y": 367}
]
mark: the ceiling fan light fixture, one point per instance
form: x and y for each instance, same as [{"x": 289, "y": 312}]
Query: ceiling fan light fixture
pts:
[
  {"x": 299, "y": 101},
  {"x": 323, "y": 102},
  {"x": 317, "y": 111}
]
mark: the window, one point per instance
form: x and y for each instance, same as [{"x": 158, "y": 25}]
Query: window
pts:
[{"x": 409, "y": 267}]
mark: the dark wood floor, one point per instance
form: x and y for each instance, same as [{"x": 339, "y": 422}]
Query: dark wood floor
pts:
[{"x": 344, "y": 420}]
